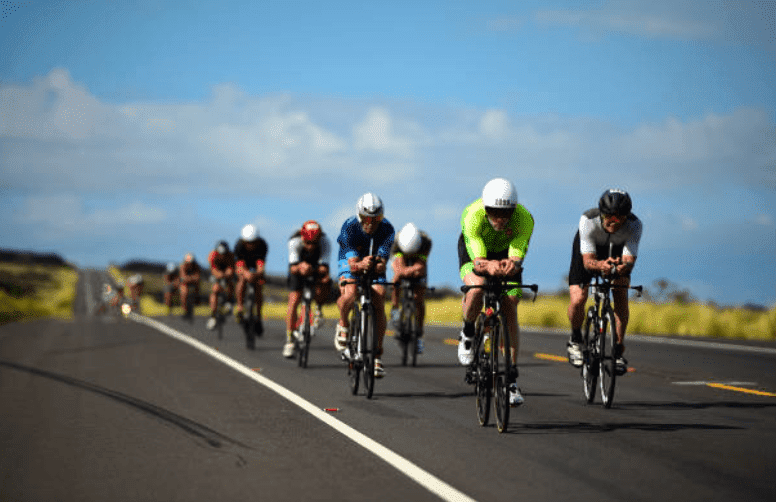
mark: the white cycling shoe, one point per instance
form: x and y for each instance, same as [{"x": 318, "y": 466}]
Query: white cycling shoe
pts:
[
  {"x": 575, "y": 354},
  {"x": 465, "y": 349},
  {"x": 288, "y": 350},
  {"x": 341, "y": 338},
  {"x": 515, "y": 398}
]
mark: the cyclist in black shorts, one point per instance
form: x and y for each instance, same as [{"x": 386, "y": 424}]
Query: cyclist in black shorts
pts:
[
  {"x": 606, "y": 243},
  {"x": 308, "y": 254}
]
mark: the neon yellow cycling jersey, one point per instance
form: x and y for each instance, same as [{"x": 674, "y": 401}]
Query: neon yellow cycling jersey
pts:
[{"x": 481, "y": 238}]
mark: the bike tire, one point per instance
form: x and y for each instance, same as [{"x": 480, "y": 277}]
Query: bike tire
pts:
[
  {"x": 589, "y": 356},
  {"x": 405, "y": 332},
  {"x": 354, "y": 365},
  {"x": 608, "y": 369},
  {"x": 482, "y": 375},
  {"x": 369, "y": 348},
  {"x": 501, "y": 367},
  {"x": 249, "y": 323},
  {"x": 413, "y": 338},
  {"x": 304, "y": 349}
]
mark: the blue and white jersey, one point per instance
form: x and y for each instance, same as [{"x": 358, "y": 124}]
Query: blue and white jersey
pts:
[{"x": 354, "y": 242}]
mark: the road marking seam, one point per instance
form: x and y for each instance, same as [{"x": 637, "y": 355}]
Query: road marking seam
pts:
[{"x": 406, "y": 467}]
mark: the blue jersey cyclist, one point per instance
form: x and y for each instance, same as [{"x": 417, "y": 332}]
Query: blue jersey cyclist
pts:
[{"x": 365, "y": 244}]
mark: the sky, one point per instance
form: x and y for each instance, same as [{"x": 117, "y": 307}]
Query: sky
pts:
[{"x": 146, "y": 130}]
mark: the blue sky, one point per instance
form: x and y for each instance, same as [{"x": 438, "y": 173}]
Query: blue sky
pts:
[{"x": 143, "y": 129}]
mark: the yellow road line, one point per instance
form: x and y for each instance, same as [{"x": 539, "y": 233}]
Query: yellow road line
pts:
[
  {"x": 550, "y": 357},
  {"x": 450, "y": 341},
  {"x": 741, "y": 389}
]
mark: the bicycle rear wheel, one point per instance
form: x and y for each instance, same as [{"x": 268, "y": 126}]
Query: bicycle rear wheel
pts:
[
  {"x": 354, "y": 365},
  {"x": 413, "y": 338},
  {"x": 502, "y": 363},
  {"x": 589, "y": 355},
  {"x": 369, "y": 348},
  {"x": 483, "y": 379},
  {"x": 404, "y": 333},
  {"x": 607, "y": 339}
]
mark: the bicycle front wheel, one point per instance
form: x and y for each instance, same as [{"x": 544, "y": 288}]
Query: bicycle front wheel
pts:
[
  {"x": 354, "y": 364},
  {"x": 483, "y": 379},
  {"x": 369, "y": 348},
  {"x": 501, "y": 358},
  {"x": 590, "y": 355},
  {"x": 607, "y": 340},
  {"x": 304, "y": 343}
]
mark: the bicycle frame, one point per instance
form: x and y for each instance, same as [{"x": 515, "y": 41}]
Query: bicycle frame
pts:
[
  {"x": 599, "y": 341},
  {"x": 488, "y": 372},
  {"x": 361, "y": 350}
]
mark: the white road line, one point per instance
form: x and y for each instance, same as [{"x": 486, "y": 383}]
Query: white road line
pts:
[{"x": 420, "y": 476}]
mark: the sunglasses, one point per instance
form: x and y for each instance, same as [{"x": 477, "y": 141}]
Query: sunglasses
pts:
[
  {"x": 499, "y": 213},
  {"x": 619, "y": 218},
  {"x": 370, "y": 220}
]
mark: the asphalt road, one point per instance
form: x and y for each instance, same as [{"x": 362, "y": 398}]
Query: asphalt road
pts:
[{"x": 105, "y": 408}]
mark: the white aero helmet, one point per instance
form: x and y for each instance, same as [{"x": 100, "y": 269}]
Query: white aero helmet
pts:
[
  {"x": 409, "y": 239},
  {"x": 171, "y": 267},
  {"x": 250, "y": 233},
  {"x": 499, "y": 193},
  {"x": 135, "y": 280},
  {"x": 370, "y": 205}
]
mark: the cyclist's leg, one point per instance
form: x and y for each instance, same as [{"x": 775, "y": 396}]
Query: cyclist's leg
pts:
[
  {"x": 420, "y": 307},
  {"x": 621, "y": 308},
  {"x": 294, "y": 298},
  {"x": 214, "y": 290},
  {"x": 345, "y": 304},
  {"x": 240, "y": 292},
  {"x": 378, "y": 300},
  {"x": 509, "y": 307}
]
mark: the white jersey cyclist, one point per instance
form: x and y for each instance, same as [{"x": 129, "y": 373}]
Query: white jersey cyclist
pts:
[
  {"x": 594, "y": 239},
  {"x": 297, "y": 252}
]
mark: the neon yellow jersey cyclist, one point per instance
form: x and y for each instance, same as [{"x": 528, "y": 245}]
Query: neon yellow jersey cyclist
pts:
[
  {"x": 481, "y": 238},
  {"x": 495, "y": 233}
]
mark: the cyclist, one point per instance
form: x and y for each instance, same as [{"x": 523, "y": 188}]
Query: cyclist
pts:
[
  {"x": 221, "y": 262},
  {"x": 190, "y": 273},
  {"x": 355, "y": 256},
  {"x": 250, "y": 251},
  {"x": 308, "y": 254},
  {"x": 611, "y": 223},
  {"x": 496, "y": 231},
  {"x": 410, "y": 252},
  {"x": 135, "y": 285},
  {"x": 171, "y": 282}
]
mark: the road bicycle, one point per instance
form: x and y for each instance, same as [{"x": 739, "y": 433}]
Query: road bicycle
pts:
[
  {"x": 408, "y": 330},
  {"x": 307, "y": 328},
  {"x": 361, "y": 348},
  {"x": 492, "y": 371},
  {"x": 599, "y": 342}
]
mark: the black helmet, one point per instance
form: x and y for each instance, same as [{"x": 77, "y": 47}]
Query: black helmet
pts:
[
  {"x": 615, "y": 201},
  {"x": 222, "y": 247}
]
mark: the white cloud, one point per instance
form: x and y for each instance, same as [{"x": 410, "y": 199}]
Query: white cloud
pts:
[
  {"x": 377, "y": 133},
  {"x": 60, "y": 215},
  {"x": 748, "y": 22}
]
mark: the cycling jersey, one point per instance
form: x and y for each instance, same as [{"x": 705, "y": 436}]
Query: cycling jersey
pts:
[
  {"x": 354, "y": 242},
  {"x": 250, "y": 258},
  {"x": 422, "y": 254},
  {"x": 220, "y": 262},
  {"x": 297, "y": 253},
  {"x": 480, "y": 238},
  {"x": 594, "y": 239}
]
